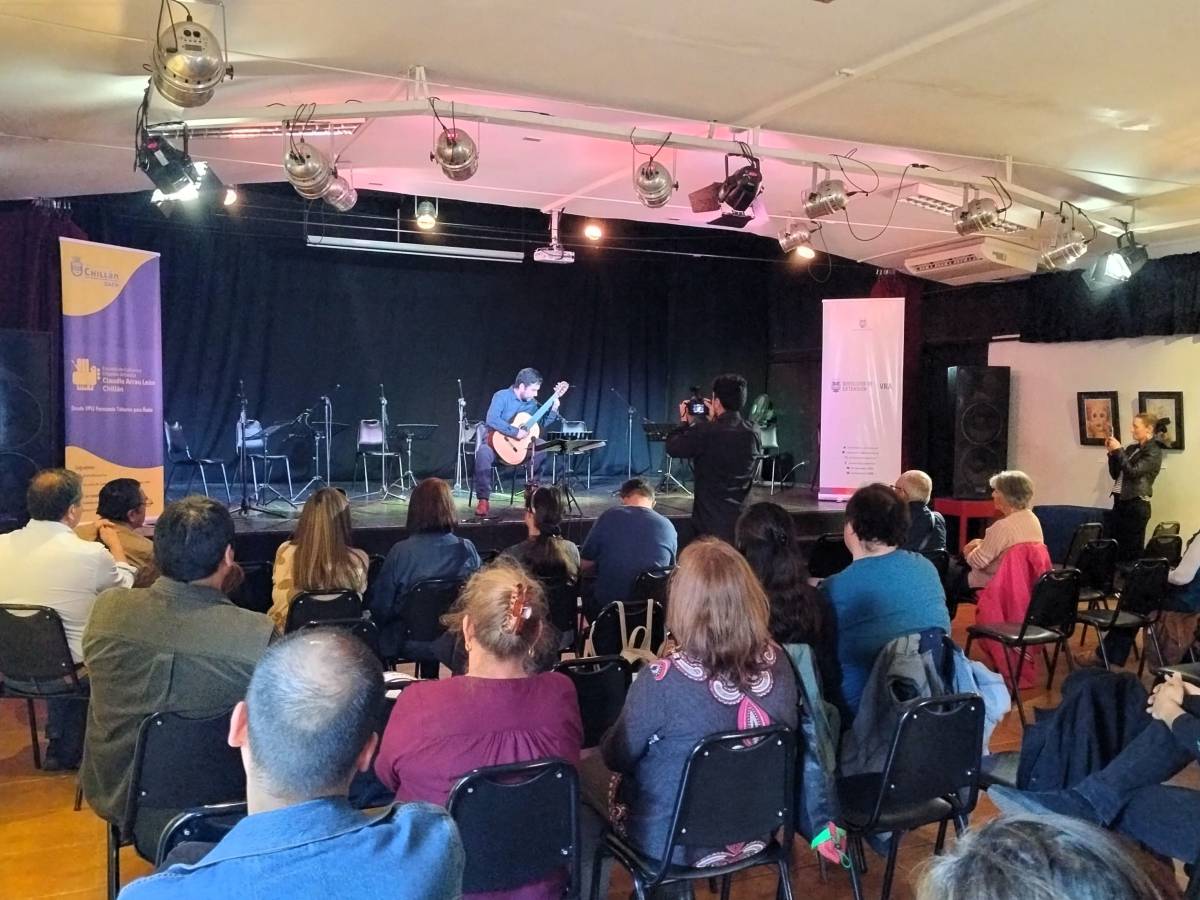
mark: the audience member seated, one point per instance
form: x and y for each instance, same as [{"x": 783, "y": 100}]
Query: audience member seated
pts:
[
  {"x": 800, "y": 614},
  {"x": 885, "y": 593},
  {"x": 1040, "y": 858},
  {"x": 1128, "y": 795},
  {"x": 122, "y": 504},
  {"x": 545, "y": 553},
  {"x": 319, "y": 557},
  {"x": 725, "y": 673},
  {"x": 1012, "y": 492},
  {"x": 926, "y": 529},
  {"x": 431, "y": 550},
  {"x": 626, "y": 541},
  {"x": 304, "y": 730},
  {"x": 46, "y": 564},
  {"x": 179, "y": 645},
  {"x": 499, "y": 712}
]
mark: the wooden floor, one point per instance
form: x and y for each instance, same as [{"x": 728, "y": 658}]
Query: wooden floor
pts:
[{"x": 48, "y": 850}]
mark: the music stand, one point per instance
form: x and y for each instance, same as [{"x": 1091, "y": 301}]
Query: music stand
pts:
[
  {"x": 412, "y": 432},
  {"x": 655, "y": 432},
  {"x": 570, "y": 448}
]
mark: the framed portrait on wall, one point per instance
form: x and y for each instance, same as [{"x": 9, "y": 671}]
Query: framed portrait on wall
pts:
[
  {"x": 1165, "y": 405},
  {"x": 1099, "y": 417}
]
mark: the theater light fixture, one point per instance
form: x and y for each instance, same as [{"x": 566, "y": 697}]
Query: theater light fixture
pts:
[
  {"x": 735, "y": 195},
  {"x": 1117, "y": 266},
  {"x": 315, "y": 176},
  {"x": 653, "y": 184},
  {"x": 797, "y": 240},
  {"x": 592, "y": 231},
  {"x": 187, "y": 61},
  {"x": 1069, "y": 244},
  {"x": 827, "y": 196},
  {"x": 976, "y": 215},
  {"x": 426, "y": 213},
  {"x": 454, "y": 151}
]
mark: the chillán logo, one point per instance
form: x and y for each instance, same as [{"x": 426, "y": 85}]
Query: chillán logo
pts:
[
  {"x": 835, "y": 386},
  {"x": 80, "y": 270},
  {"x": 76, "y": 266}
]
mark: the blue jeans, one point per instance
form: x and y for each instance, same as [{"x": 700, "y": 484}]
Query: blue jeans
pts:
[{"x": 1129, "y": 796}]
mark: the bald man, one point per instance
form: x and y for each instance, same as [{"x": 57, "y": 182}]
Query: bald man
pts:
[{"x": 928, "y": 529}]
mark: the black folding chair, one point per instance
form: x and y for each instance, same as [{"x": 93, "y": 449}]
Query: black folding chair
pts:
[
  {"x": 652, "y": 585},
  {"x": 736, "y": 789},
  {"x": 829, "y": 556},
  {"x": 254, "y": 593},
  {"x": 1084, "y": 534},
  {"x": 361, "y": 627},
  {"x": 931, "y": 775},
  {"x": 606, "y": 635},
  {"x": 601, "y": 683},
  {"x": 1050, "y": 619},
  {"x": 519, "y": 825},
  {"x": 202, "y": 825},
  {"x": 1166, "y": 546},
  {"x": 36, "y": 664},
  {"x": 562, "y": 598},
  {"x": 941, "y": 562},
  {"x": 179, "y": 761},
  {"x": 180, "y": 455},
  {"x": 1189, "y": 671},
  {"x": 1166, "y": 528},
  {"x": 1138, "y": 607},
  {"x": 319, "y": 606},
  {"x": 421, "y": 622}
]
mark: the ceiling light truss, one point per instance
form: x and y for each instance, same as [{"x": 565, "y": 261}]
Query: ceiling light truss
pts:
[{"x": 676, "y": 140}]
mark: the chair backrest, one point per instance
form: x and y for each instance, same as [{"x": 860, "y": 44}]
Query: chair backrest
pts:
[
  {"x": 573, "y": 426},
  {"x": 1167, "y": 546},
  {"x": 519, "y": 824},
  {"x": 562, "y": 598},
  {"x": 1054, "y": 602},
  {"x": 370, "y": 434},
  {"x": 254, "y": 593},
  {"x": 177, "y": 448},
  {"x": 601, "y": 683},
  {"x": 935, "y": 752},
  {"x": 1084, "y": 533},
  {"x": 425, "y": 604},
  {"x": 360, "y": 627},
  {"x": 1166, "y": 528},
  {"x": 34, "y": 650},
  {"x": 203, "y": 825},
  {"x": 179, "y": 761},
  {"x": 736, "y": 787},
  {"x": 256, "y": 441},
  {"x": 1145, "y": 587},
  {"x": 829, "y": 556},
  {"x": 940, "y": 560},
  {"x": 1097, "y": 564},
  {"x": 607, "y": 637},
  {"x": 652, "y": 585},
  {"x": 318, "y": 606}
]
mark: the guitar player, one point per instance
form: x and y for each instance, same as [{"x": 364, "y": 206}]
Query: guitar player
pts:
[{"x": 507, "y": 403}]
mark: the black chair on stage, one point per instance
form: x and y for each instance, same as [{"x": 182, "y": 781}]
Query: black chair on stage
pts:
[
  {"x": 370, "y": 448},
  {"x": 606, "y": 635},
  {"x": 562, "y": 598},
  {"x": 1166, "y": 546},
  {"x": 421, "y": 624},
  {"x": 1050, "y": 619},
  {"x": 601, "y": 683},
  {"x": 254, "y": 593},
  {"x": 309, "y": 607},
  {"x": 180, "y": 455},
  {"x": 829, "y": 556},
  {"x": 1084, "y": 534},
  {"x": 179, "y": 762},
  {"x": 202, "y": 825},
  {"x": 652, "y": 585},
  {"x": 1139, "y": 604},
  {"x": 519, "y": 825},
  {"x": 931, "y": 775},
  {"x": 36, "y": 664},
  {"x": 736, "y": 788},
  {"x": 257, "y": 451},
  {"x": 360, "y": 627}
]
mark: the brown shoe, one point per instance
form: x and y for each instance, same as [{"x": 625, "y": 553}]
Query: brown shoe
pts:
[
  {"x": 482, "y": 508},
  {"x": 1088, "y": 659}
]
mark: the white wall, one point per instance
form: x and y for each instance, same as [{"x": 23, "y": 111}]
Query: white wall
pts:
[{"x": 1043, "y": 424}]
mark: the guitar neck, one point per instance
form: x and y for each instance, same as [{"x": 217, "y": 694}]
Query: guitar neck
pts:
[{"x": 541, "y": 411}]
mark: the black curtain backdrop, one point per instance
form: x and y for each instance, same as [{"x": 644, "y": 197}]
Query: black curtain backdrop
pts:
[{"x": 244, "y": 298}]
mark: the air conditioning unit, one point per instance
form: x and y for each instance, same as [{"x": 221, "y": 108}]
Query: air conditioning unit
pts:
[{"x": 983, "y": 258}]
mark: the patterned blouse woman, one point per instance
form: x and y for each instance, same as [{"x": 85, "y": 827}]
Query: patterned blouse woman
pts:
[{"x": 725, "y": 674}]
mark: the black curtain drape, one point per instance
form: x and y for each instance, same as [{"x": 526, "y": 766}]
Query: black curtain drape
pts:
[{"x": 245, "y": 300}]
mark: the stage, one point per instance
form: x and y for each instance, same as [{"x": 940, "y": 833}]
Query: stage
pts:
[{"x": 378, "y": 524}]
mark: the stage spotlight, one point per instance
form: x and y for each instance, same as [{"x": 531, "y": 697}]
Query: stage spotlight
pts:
[
  {"x": 340, "y": 194},
  {"x": 734, "y": 196},
  {"x": 454, "y": 151},
  {"x": 975, "y": 216},
  {"x": 315, "y": 177},
  {"x": 827, "y": 197},
  {"x": 1069, "y": 248},
  {"x": 653, "y": 184},
  {"x": 187, "y": 60},
  {"x": 592, "y": 231},
  {"x": 797, "y": 238},
  {"x": 427, "y": 213},
  {"x": 171, "y": 170},
  {"x": 231, "y": 196},
  {"x": 1117, "y": 266}
]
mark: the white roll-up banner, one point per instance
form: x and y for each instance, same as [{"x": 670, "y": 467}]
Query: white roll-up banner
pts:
[{"x": 862, "y": 370}]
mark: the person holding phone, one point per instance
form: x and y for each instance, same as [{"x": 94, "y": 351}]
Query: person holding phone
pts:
[{"x": 1133, "y": 470}]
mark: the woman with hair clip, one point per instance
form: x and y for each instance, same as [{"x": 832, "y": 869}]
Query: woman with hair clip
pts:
[
  {"x": 545, "y": 553},
  {"x": 319, "y": 556}
]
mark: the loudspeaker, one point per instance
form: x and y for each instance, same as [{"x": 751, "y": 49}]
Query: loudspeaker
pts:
[
  {"x": 978, "y": 398},
  {"x": 27, "y": 418}
]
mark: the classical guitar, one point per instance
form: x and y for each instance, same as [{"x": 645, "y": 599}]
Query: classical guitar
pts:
[{"x": 514, "y": 452}]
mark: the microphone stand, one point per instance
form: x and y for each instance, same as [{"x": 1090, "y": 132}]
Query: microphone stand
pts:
[
  {"x": 245, "y": 508},
  {"x": 460, "y": 458},
  {"x": 385, "y": 492},
  {"x": 631, "y": 411}
]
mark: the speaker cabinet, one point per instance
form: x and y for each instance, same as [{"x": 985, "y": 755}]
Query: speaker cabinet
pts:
[
  {"x": 27, "y": 418},
  {"x": 979, "y": 405}
]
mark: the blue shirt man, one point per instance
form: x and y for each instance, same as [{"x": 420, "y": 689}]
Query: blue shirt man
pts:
[
  {"x": 305, "y": 728},
  {"x": 625, "y": 542}
]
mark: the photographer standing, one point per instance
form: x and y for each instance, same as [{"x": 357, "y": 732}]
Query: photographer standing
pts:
[
  {"x": 1134, "y": 469},
  {"x": 723, "y": 451}
]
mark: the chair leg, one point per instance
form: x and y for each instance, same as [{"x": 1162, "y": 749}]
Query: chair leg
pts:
[
  {"x": 725, "y": 883},
  {"x": 78, "y": 794},
  {"x": 35, "y": 744},
  {"x": 855, "y": 855},
  {"x": 1103, "y": 652},
  {"x": 890, "y": 872},
  {"x": 940, "y": 844},
  {"x": 225, "y": 478},
  {"x": 114, "y": 862},
  {"x": 597, "y": 869},
  {"x": 287, "y": 467},
  {"x": 187, "y": 490},
  {"x": 1053, "y": 663},
  {"x": 1020, "y": 651},
  {"x": 967, "y": 649},
  {"x": 785, "y": 880},
  {"x": 203, "y": 478}
]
